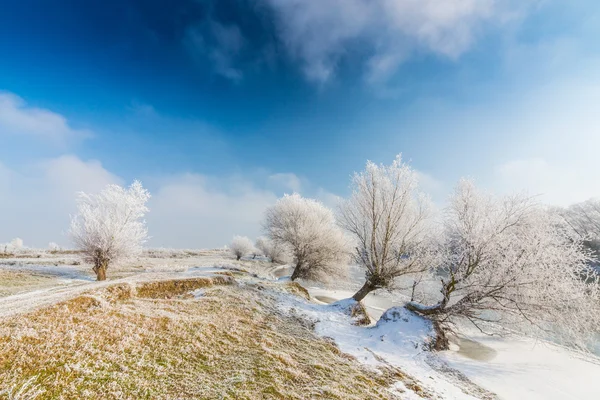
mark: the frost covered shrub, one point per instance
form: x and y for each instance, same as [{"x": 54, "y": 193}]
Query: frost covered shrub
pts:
[
  {"x": 14, "y": 246},
  {"x": 308, "y": 230},
  {"x": 53, "y": 246},
  {"x": 109, "y": 226},
  {"x": 240, "y": 246},
  {"x": 390, "y": 221},
  {"x": 16, "y": 243},
  {"x": 277, "y": 252},
  {"x": 508, "y": 261}
]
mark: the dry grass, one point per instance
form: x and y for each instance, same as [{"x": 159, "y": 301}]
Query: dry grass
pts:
[
  {"x": 12, "y": 282},
  {"x": 153, "y": 342},
  {"x": 179, "y": 287}
]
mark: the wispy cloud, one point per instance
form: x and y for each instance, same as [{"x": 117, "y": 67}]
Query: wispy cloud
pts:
[
  {"x": 320, "y": 33},
  {"x": 186, "y": 209},
  {"x": 218, "y": 43},
  {"x": 38, "y": 198},
  {"x": 19, "y": 118}
]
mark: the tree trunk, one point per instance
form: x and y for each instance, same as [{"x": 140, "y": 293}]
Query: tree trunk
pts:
[
  {"x": 297, "y": 271},
  {"x": 441, "y": 339},
  {"x": 367, "y": 288},
  {"x": 101, "y": 273},
  {"x": 447, "y": 289},
  {"x": 238, "y": 257},
  {"x": 100, "y": 268}
]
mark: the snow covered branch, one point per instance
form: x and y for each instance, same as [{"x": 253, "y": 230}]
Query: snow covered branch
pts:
[
  {"x": 508, "y": 261},
  {"x": 390, "y": 221}
]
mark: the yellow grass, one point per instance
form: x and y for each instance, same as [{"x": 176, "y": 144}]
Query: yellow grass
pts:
[{"x": 155, "y": 342}]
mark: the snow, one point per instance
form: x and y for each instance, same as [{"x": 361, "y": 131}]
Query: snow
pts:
[
  {"x": 398, "y": 343},
  {"x": 511, "y": 367},
  {"x": 527, "y": 369},
  {"x": 375, "y": 303}
]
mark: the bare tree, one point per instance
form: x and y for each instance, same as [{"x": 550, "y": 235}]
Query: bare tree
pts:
[
  {"x": 240, "y": 246},
  {"x": 109, "y": 226},
  {"x": 308, "y": 230},
  {"x": 390, "y": 221},
  {"x": 507, "y": 261}
]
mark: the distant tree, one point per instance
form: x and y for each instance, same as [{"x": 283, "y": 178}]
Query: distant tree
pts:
[
  {"x": 240, "y": 246},
  {"x": 308, "y": 229},
  {"x": 277, "y": 252},
  {"x": 390, "y": 221},
  {"x": 53, "y": 246},
  {"x": 109, "y": 226},
  {"x": 507, "y": 261},
  {"x": 16, "y": 243},
  {"x": 584, "y": 219}
]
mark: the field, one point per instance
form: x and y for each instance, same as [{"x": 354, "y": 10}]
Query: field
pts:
[{"x": 200, "y": 325}]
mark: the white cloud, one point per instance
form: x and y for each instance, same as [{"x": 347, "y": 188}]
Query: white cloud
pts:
[
  {"x": 68, "y": 174},
  {"x": 320, "y": 33},
  {"x": 194, "y": 211},
  {"x": 554, "y": 182},
  {"x": 186, "y": 210},
  {"x": 36, "y": 201},
  {"x": 18, "y": 118},
  {"x": 287, "y": 181}
]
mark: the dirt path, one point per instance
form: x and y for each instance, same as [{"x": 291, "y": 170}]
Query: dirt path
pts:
[{"x": 28, "y": 301}]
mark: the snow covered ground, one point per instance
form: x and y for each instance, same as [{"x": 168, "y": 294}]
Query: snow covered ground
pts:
[
  {"x": 520, "y": 368},
  {"x": 512, "y": 368},
  {"x": 398, "y": 343}
]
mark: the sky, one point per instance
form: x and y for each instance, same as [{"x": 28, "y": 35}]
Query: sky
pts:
[{"x": 220, "y": 107}]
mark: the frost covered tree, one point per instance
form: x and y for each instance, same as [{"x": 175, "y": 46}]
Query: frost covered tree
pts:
[
  {"x": 506, "y": 261},
  {"x": 309, "y": 232},
  {"x": 53, "y": 246},
  {"x": 390, "y": 221},
  {"x": 109, "y": 226},
  {"x": 584, "y": 219},
  {"x": 16, "y": 243},
  {"x": 240, "y": 246},
  {"x": 277, "y": 252}
]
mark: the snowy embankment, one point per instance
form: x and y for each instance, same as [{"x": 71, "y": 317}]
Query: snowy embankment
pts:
[
  {"x": 511, "y": 367},
  {"x": 397, "y": 342}
]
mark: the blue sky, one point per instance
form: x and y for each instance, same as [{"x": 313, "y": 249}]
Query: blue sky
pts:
[{"x": 219, "y": 107}]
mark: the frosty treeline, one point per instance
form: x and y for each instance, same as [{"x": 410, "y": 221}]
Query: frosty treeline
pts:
[{"x": 493, "y": 261}]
